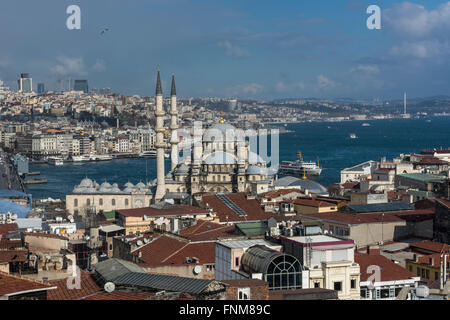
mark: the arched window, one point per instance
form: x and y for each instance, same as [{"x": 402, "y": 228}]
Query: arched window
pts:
[
  {"x": 88, "y": 202},
  {"x": 126, "y": 202},
  {"x": 100, "y": 201},
  {"x": 75, "y": 202},
  {"x": 284, "y": 272},
  {"x": 113, "y": 202}
]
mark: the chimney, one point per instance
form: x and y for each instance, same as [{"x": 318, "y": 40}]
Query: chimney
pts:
[{"x": 373, "y": 250}]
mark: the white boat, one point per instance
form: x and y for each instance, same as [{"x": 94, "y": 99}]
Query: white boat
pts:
[
  {"x": 100, "y": 157},
  {"x": 148, "y": 154},
  {"x": 352, "y": 136},
  {"x": 55, "y": 161},
  {"x": 80, "y": 158},
  {"x": 300, "y": 167},
  {"x": 365, "y": 124}
]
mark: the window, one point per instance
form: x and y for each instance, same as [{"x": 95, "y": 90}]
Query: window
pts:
[
  {"x": 126, "y": 202},
  {"x": 75, "y": 202},
  {"x": 410, "y": 268},
  {"x": 100, "y": 201},
  {"x": 338, "y": 286},
  {"x": 418, "y": 271},
  {"x": 384, "y": 293},
  {"x": 110, "y": 247},
  {"x": 353, "y": 284},
  {"x": 236, "y": 261},
  {"x": 243, "y": 293},
  {"x": 427, "y": 274},
  {"x": 316, "y": 284},
  {"x": 331, "y": 229},
  {"x": 113, "y": 202},
  {"x": 436, "y": 275},
  {"x": 88, "y": 202}
]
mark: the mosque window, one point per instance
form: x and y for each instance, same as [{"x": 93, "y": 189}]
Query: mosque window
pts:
[
  {"x": 100, "y": 201},
  {"x": 113, "y": 202},
  {"x": 88, "y": 202},
  {"x": 126, "y": 202},
  {"x": 75, "y": 202}
]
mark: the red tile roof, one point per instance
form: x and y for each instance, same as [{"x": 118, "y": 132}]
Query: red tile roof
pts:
[
  {"x": 435, "y": 260},
  {"x": 154, "y": 212},
  {"x": 7, "y": 228},
  {"x": 119, "y": 295},
  {"x": 87, "y": 286},
  {"x": 168, "y": 250},
  {"x": 431, "y": 246},
  {"x": 45, "y": 235},
  {"x": 361, "y": 218},
  {"x": 13, "y": 256},
  {"x": 444, "y": 202},
  {"x": 11, "y": 284},
  {"x": 278, "y": 193},
  {"x": 10, "y": 244},
  {"x": 207, "y": 230},
  {"x": 251, "y": 207},
  {"x": 313, "y": 203},
  {"x": 390, "y": 271},
  {"x": 245, "y": 283}
]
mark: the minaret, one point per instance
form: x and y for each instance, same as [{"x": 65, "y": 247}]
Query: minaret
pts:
[
  {"x": 160, "y": 145},
  {"x": 173, "y": 125},
  {"x": 404, "y": 103}
]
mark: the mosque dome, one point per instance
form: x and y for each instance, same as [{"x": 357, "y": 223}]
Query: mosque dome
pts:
[
  {"x": 86, "y": 182},
  {"x": 140, "y": 185},
  {"x": 223, "y": 132},
  {"x": 129, "y": 185},
  {"x": 255, "y": 158},
  {"x": 183, "y": 169},
  {"x": 127, "y": 190},
  {"x": 105, "y": 185},
  {"x": 115, "y": 190},
  {"x": 255, "y": 170},
  {"x": 115, "y": 185},
  {"x": 220, "y": 158}
]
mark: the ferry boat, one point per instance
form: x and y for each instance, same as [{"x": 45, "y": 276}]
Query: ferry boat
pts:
[
  {"x": 100, "y": 157},
  {"x": 300, "y": 167},
  {"x": 81, "y": 158},
  {"x": 352, "y": 136},
  {"x": 148, "y": 154},
  {"x": 55, "y": 161},
  {"x": 365, "y": 124}
]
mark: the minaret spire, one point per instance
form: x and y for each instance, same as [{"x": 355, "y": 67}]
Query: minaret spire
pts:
[
  {"x": 173, "y": 91},
  {"x": 158, "y": 84},
  {"x": 173, "y": 125},
  {"x": 160, "y": 145}
]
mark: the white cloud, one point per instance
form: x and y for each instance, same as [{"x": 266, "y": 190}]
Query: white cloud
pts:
[
  {"x": 233, "y": 50},
  {"x": 99, "y": 66},
  {"x": 366, "y": 69},
  {"x": 418, "y": 33},
  {"x": 246, "y": 89},
  {"x": 69, "y": 66},
  {"x": 283, "y": 87},
  {"x": 325, "y": 83}
]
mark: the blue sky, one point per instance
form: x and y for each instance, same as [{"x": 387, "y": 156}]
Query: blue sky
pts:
[{"x": 234, "y": 48}]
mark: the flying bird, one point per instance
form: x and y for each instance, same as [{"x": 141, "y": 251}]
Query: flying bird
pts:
[{"x": 104, "y": 31}]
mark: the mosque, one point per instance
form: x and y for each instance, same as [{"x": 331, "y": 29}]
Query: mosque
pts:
[{"x": 221, "y": 161}]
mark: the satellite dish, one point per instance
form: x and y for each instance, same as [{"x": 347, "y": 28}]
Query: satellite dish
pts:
[
  {"x": 109, "y": 287},
  {"x": 197, "y": 269},
  {"x": 139, "y": 243}
]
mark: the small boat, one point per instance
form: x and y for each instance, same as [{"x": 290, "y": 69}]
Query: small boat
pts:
[
  {"x": 353, "y": 136},
  {"x": 55, "y": 161},
  {"x": 365, "y": 124}
]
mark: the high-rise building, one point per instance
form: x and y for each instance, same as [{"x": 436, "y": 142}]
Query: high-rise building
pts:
[
  {"x": 40, "y": 88},
  {"x": 25, "y": 83},
  {"x": 81, "y": 85}
]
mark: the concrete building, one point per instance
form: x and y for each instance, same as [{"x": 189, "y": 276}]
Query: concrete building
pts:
[{"x": 329, "y": 260}]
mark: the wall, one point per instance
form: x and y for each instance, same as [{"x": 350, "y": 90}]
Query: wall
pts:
[{"x": 256, "y": 292}]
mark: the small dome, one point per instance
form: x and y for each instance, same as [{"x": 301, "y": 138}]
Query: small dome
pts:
[
  {"x": 254, "y": 170},
  {"x": 115, "y": 190},
  {"x": 183, "y": 169},
  {"x": 128, "y": 190},
  {"x": 255, "y": 158},
  {"x": 86, "y": 182},
  {"x": 115, "y": 185},
  {"x": 129, "y": 185},
  {"x": 105, "y": 185},
  {"x": 140, "y": 185}
]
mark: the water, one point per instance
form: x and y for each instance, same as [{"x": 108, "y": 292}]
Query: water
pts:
[{"x": 329, "y": 141}]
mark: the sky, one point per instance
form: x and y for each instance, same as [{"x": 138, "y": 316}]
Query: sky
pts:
[{"x": 257, "y": 49}]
